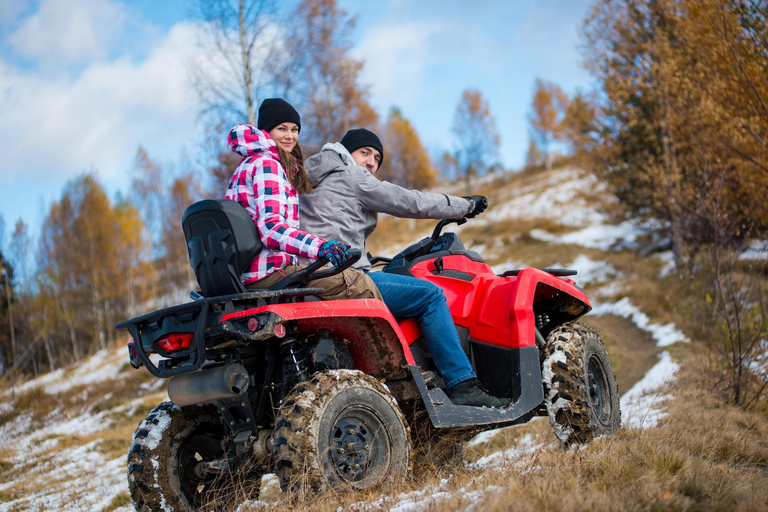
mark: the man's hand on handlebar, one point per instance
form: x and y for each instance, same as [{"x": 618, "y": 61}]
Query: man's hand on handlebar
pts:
[
  {"x": 477, "y": 204},
  {"x": 336, "y": 252}
]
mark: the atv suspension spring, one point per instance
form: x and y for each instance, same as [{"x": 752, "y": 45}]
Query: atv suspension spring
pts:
[
  {"x": 542, "y": 319},
  {"x": 292, "y": 358}
]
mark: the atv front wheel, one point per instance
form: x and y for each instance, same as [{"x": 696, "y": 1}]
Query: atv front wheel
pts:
[
  {"x": 166, "y": 449},
  {"x": 340, "y": 430},
  {"x": 580, "y": 389}
]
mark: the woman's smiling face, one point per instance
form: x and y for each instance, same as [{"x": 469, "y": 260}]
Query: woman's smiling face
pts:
[{"x": 285, "y": 135}]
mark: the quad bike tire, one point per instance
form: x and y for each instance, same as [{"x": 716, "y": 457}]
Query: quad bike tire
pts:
[
  {"x": 340, "y": 430},
  {"x": 166, "y": 446},
  {"x": 580, "y": 389}
]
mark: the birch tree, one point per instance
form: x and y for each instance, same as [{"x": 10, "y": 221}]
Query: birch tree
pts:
[
  {"x": 476, "y": 134},
  {"x": 237, "y": 41}
]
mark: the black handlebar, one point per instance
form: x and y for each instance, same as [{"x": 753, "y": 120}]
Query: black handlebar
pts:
[{"x": 440, "y": 225}]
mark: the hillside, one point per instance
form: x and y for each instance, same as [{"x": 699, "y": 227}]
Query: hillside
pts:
[{"x": 64, "y": 436}]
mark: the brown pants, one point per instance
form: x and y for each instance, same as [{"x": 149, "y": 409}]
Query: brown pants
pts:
[{"x": 350, "y": 284}]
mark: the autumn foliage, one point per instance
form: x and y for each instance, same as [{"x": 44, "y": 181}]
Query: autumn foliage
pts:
[
  {"x": 548, "y": 119},
  {"x": 406, "y": 160},
  {"x": 320, "y": 75},
  {"x": 681, "y": 134}
]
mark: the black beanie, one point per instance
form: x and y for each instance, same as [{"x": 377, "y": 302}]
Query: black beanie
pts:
[
  {"x": 274, "y": 111},
  {"x": 361, "y": 138}
]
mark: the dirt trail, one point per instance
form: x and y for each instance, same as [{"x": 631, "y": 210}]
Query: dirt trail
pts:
[{"x": 632, "y": 351}]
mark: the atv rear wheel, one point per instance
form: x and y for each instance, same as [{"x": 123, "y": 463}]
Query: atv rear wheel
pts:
[
  {"x": 166, "y": 448},
  {"x": 340, "y": 430},
  {"x": 580, "y": 389}
]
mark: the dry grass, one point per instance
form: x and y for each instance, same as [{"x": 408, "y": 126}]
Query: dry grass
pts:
[{"x": 706, "y": 455}]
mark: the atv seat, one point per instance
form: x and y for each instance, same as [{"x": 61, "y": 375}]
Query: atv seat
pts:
[{"x": 222, "y": 241}]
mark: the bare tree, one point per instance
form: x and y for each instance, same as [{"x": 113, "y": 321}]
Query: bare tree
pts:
[
  {"x": 476, "y": 133},
  {"x": 238, "y": 39},
  {"x": 321, "y": 77}
]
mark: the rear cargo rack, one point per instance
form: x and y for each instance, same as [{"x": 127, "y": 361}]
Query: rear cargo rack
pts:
[{"x": 189, "y": 317}]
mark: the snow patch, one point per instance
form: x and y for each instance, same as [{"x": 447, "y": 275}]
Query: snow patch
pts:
[
  {"x": 589, "y": 271},
  {"x": 641, "y": 405},
  {"x": 559, "y": 197},
  {"x": 503, "y": 459},
  {"x": 597, "y": 236},
  {"x": 665, "y": 335},
  {"x": 104, "y": 365},
  {"x": 757, "y": 250},
  {"x": 74, "y": 468},
  {"x": 759, "y": 366},
  {"x": 483, "y": 437},
  {"x": 667, "y": 259}
]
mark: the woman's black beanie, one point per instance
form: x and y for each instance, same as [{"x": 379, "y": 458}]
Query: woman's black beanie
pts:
[
  {"x": 361, "y": 138},
  {"x": 274, "y": 111}
]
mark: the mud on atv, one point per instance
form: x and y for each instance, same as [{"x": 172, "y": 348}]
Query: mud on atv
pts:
[{"x": 340, "y": 394}]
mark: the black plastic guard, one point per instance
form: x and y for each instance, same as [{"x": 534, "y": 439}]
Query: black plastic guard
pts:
[
  {"x": 443, "y": 413},
  {"x": 194, "y": 317}
]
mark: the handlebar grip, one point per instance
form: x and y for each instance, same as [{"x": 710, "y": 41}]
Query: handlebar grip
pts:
[
  {"x": 310, "y": 273},
  {"x": 354, "y": 255}
]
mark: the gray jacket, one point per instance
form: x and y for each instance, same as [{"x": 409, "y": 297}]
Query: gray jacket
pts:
[{"x": 347, "y": 199}]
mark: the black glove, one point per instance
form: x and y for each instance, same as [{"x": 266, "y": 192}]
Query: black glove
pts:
[
  {"x": 477, "y": 204},
  {"x": 337, "y": 252}
]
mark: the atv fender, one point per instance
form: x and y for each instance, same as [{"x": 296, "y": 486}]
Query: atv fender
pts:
[
  {"x": 376, "y": 342},
  {"x": 507, "y": 309}
]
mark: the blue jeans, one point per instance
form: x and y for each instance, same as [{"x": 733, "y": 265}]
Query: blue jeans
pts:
[{"x": 410, "y": 297}]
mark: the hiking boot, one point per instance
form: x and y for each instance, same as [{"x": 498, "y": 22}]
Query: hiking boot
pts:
[{"x": 469, "y": 392}]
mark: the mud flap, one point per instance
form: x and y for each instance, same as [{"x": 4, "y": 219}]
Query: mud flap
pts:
[{"x": 443, "y": 413}]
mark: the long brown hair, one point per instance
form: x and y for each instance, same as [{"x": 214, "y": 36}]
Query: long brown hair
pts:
[{"x": 293, "y": 163}]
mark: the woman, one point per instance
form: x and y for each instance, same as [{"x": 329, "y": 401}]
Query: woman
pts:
[{"x": 271, "y": 197}]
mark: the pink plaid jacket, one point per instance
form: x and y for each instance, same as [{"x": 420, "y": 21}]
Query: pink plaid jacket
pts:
[{"x": 261, "y": 186}]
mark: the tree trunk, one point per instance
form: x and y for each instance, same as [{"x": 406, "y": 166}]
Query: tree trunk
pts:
[
  {"x": 248, "y": 80},
  {"x": 10, "y": 314}
]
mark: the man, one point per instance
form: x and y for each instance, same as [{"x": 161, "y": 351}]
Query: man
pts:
[{"x": 344, "y": 205}]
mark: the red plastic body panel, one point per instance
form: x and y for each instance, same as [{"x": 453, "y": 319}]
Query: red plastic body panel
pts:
[
  {"x": 496, "y": 310},
  {"x": 411, "y": 329},
  {"x": 377, "y": 344}
]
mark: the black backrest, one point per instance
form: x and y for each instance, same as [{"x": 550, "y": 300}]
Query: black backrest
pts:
[{"x": 222, "y": 241}]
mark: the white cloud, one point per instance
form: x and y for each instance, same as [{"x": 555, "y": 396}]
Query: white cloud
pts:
[
  {"x": 10, "y": 10},
  {"x": 50, "y": 125},
  {"x": 400, "y": 55},
  {"x": 70, "y": 32},
  {"x": 396, "y": 56}
]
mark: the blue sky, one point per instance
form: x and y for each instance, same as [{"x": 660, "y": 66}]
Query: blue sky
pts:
[{"x": 84, "y": 83}]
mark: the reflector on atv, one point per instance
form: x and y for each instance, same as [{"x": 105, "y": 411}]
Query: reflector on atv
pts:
[{"x": 174, "y": 342}]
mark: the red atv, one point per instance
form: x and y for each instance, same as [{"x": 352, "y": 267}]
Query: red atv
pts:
[{"x": 332, "y": 394}]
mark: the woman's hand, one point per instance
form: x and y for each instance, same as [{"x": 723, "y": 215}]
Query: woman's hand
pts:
[{"x": 336, "y": 252}]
